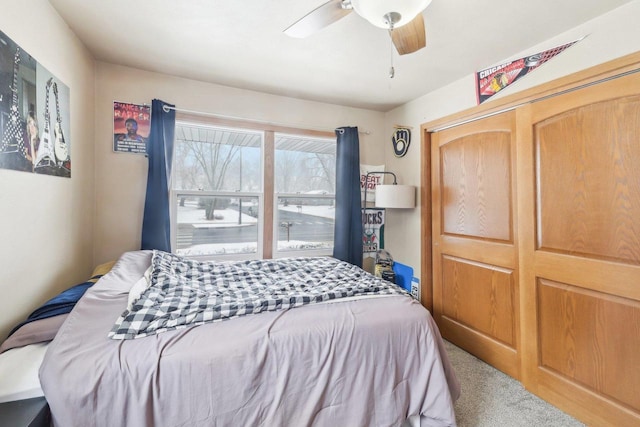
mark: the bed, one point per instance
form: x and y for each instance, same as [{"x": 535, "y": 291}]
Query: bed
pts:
[{"x": 359, "y": 360}]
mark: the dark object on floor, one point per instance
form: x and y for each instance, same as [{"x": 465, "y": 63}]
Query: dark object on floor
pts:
[{"x": 25, "y": 413}]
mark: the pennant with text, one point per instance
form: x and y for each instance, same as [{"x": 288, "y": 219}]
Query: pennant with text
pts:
[{"x": 493, "y": 79}]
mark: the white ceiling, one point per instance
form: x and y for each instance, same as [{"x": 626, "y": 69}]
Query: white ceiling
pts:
[{"x": 240, "y": 43}]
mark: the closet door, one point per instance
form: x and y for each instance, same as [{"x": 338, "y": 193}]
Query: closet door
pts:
[
  {"x": 580, "y": 259},
  {"x": 475, "y": 273}
]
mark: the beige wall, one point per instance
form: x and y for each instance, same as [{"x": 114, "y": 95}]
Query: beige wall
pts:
[
  {"x": 121, "y": 178},
  {"x": 46, "y": 222},
  {"x": 51, "y": 238},
  {"x": 609, "y": 36}
]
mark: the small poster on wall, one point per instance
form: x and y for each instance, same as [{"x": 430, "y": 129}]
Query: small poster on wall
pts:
[
  {"x": 34, "y": 115},
  {"x": 131, "y": 127},
  {"x": 372, "y": 236},
  {"x": 369, "y": 182},
  {"x": 372, "y": 231}
]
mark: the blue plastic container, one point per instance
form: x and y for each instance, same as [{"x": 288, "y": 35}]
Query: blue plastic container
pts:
[{"x": 404, "y": 274}]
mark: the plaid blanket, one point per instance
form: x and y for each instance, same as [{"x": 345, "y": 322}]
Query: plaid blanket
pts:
[{"x": 184, "y": 292}]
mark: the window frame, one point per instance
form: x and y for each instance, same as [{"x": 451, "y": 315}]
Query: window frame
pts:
[
  {"x": 175, "y": 197},
  {"x": 302, "y": 253},
  {"x": 267, "y": 197}
]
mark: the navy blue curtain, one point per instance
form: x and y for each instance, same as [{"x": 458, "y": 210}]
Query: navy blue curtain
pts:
[
  {"x": 348, "y": 216},
  {"x": 156, "y": 223}
]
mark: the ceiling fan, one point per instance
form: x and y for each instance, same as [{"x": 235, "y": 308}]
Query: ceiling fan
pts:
[{"x": 403, "y": 19}]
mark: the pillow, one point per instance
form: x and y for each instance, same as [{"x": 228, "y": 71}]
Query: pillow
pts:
[
  {"x": 43, "y": 323},
  {"x": 37, "y": 331},
  {"x": 103, "y": 269},
  {"x": 138, "y": 288}
]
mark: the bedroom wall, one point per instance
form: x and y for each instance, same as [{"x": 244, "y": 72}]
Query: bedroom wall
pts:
[
  {"x": 46, "y": 222},
  {"x": 610, "y": 36},
  {"x": 121, "y": 178}
]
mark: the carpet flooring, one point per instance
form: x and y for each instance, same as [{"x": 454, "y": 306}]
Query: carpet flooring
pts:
[{"x": 490, "y": 398}]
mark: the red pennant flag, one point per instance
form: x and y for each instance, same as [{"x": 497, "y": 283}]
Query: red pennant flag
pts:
[{"x": 493, "y": 79}]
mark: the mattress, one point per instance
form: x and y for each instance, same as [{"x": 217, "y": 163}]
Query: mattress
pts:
[{"x": 19, "y": 372}]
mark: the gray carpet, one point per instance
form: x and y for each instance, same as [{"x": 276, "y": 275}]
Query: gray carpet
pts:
[{"x": 491, "y": 398}]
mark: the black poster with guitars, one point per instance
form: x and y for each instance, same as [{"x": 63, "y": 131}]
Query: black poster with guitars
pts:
[{"x": 34, "y": 115}]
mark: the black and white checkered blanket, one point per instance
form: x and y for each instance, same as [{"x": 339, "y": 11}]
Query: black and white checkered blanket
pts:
[{"x": 184, "y": 292}]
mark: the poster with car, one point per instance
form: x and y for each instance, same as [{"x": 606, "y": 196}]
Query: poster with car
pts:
[
  {"x": 131, "y": 127},
  {"x": 34, "y": 115},
  {"x": 494, "y": 79}
]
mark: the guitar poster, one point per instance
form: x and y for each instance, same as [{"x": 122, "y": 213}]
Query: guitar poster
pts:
[
  {"x": 34, "y": 115},
  {"x": 131, "y": 127}
]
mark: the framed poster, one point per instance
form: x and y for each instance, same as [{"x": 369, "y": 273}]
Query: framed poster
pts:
[
  {"x": 34, "y": 115},
  {"x": 131, "y": 127}
]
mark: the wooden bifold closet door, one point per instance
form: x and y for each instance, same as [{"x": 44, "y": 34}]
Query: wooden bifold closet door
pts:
[
  {"x": 579, "y": 176},
  {"x": 536, "y": 246},
  {"x": 475, "y": 275}
]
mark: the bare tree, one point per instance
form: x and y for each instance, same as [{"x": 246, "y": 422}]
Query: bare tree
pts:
[
  {"x": 185, "y": 177},
  {"x": 287, "y": 164},
  {"x": 327, "y": 170},
  {"x": 213, "y": 159}
]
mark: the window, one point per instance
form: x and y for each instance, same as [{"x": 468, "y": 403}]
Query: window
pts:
[
  {"x": 305, "y": 172},
  {"x": 244, "y": 191}
]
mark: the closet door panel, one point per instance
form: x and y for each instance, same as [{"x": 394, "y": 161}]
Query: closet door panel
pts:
[
  {"x": 573, "y": 319},
  {"x": 474, "y": 258},
  {"x": 476, "y": 182},
  {"x": 588, "y": 187},
  {"x": 480, "y": 297},
  {"x": 581, "y": 282}
]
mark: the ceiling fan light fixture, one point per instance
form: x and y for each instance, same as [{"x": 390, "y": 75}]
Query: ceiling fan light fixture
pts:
[
  {"x": 378, "y": 11},
  {"x": 391, "y": 19}
]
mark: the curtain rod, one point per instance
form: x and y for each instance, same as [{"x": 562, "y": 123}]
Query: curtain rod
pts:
[{"x": 166, "y": 109}]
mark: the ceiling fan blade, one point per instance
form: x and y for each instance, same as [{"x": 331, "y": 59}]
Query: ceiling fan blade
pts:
[
  {"x": 410, "y": 37},
  {"x": 320, "y": 17}
]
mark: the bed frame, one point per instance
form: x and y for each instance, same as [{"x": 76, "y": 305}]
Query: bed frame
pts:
[{"x": 25, "y": 413}]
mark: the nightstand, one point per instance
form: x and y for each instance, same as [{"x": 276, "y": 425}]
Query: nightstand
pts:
[{"x": 25, "y": 413}]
